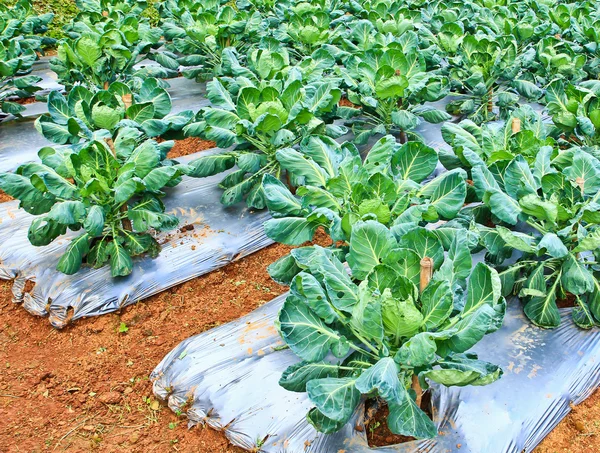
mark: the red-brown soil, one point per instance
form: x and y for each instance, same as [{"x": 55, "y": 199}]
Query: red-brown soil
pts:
[
  {"x": 86, "y": 388},
  {"x": 5, "y": 197},
  {"x": 344, "y": 102},
  {"x": 25, "y": 101},
  {"x": 190, "y": 145}
]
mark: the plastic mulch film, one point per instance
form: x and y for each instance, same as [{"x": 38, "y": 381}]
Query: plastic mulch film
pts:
[
  {"x": 219, "y": 236},
  {"x": 228, "y": 378}
]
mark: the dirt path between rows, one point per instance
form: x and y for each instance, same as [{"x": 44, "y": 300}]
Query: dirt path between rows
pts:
[{"x": 86, "y": 388}]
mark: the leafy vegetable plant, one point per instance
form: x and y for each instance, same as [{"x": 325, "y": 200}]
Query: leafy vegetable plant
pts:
[
  {"x": 20, "y": 42},
  {"x": 389, "y": 337},
  {"x": 484, "y": 74},
  {"x": 557, "y": 198},
  {"x": 106, "y": 50},
  {"x": 340, "y": 190},
  {"x": 200, "y": 31},
  {"x": 524, "y": 133},
  {"x": 390, "y": 87},
  {"x": 575, "y": 111},
  {"x": 109, "y": 192},
  {"x": 83, "y": 115},
  {"x": 260, "y": 118}
]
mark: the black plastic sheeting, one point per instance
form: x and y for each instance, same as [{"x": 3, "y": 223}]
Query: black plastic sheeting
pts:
[
  {"x": 228, "y": 378},
  {"x": 220, "y": 236}
]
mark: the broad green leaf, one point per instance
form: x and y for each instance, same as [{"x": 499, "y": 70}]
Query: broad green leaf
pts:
[
  {"x": 382, "y": 377},
  {"x": 371, "y": 244},
  {"x": 336, "y": 398},
  {"x": 296, "y": 376},
  {"x": 71, "y": 260},
  {"x": 304, "y": 332},
  {"x": 407, "y": 419}
]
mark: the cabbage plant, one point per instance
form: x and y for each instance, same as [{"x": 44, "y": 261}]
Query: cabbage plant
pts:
[
  {"x": 575, "y": 110},
  {"x": 524, "y": 133},
  {"x": 109, "y": 192},
  {"x": 338, "y": 190},
  {"x": 556, "y": 201},
  {"x": 485, "y": 74},
  {"x": 100, "y": 53},
  {"x": 390, "y": 88},
  {"x": 83, "y": 115},
  {"x": 20, "y": 44},
  {"x": 197, "y": 33},
  {"x": 260, "y": 119},
  {"x": 373, "y": 332}
]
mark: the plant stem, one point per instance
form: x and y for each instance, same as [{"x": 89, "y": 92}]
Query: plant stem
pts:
[
  {"x": 416, "y": 386},
  {"x": 123, "y": 209}
]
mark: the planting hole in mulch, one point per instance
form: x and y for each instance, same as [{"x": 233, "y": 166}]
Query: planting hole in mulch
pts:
[
  {"x": 376, "y": 428},
  {"x": 569, "y": 301},
  {"x": 344, "y": 102}
]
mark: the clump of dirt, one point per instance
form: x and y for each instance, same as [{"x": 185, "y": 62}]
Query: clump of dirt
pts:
[
  {"x": 85, "y": 388},
  {"x": 4, "y": 197},
  {"x": 377, "y": 431},
  {"x": 190, "y": 145},
  {"x": 579, "y": 432},
  {"x": 568, "y": 302}
]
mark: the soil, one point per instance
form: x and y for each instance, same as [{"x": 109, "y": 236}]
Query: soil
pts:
[
  {"x": 86, "y": 388},
  {"x": 344, "y": 102},
  {"x": 377, "y": 431},
  {"x": 4, "y": 197},
  {"x": 190, "y": 145},
  {"x": 568, "y": 302},
  {"x": 25, "y": 101}
]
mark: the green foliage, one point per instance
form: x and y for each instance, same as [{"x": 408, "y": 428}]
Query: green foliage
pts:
[
  {"x": 260, "y": 119},
  {"x": 201, "y": 31},
  {"x": 142, "y": 108},
  {"x": 339, "y": 189},
  {"x": 390, "y": 87},
  {"x": 486, "y": 73},
  {"x": 64, "y": 11},
  {"x": 20, "y": 42},
  {"x": 557, "y": 198},
  {"x": 575, "y": 110},
  {"x": 495, "y": 144},
  {"x": 382, "y": 329},
  {"x": 105, "y": 42},
  {"x": 110, "y": 193}
]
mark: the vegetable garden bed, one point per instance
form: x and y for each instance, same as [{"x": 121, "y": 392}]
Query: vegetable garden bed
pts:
[
  {"x": 210, "y": 236},
  {"x": 222, "y": 378}
]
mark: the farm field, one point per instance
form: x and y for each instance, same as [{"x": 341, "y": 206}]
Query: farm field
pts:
[{"x": 300, "y": 226}]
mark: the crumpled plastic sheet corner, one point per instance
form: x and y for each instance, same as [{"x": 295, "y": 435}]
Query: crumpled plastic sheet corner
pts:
[
  {"x": 220, "y": 236},
  {"x": 228, "y": 377}
]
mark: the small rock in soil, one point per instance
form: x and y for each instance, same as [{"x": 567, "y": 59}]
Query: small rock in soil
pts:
[{"x": 110, "y": 398}]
